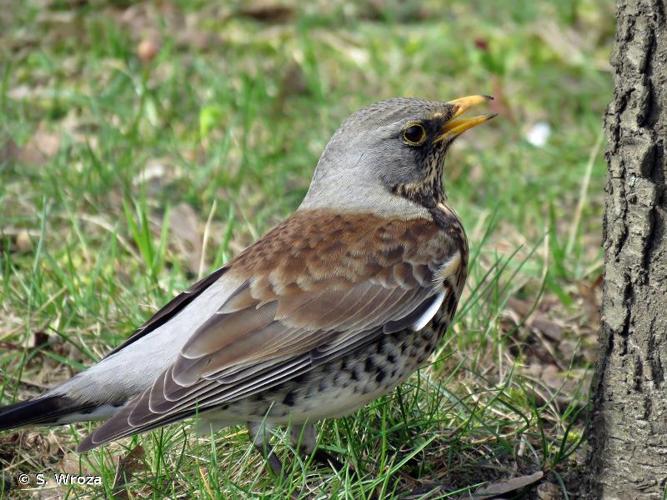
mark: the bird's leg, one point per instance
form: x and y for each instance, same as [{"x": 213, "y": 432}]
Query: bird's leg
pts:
[
  {"x": 304, "y": 439},
  {"x": 259, "y": 434}
]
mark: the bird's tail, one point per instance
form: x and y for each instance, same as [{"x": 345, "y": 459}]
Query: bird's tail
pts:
[{"x": 47, "y": 410}]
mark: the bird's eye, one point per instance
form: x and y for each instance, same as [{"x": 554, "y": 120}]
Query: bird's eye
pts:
[{"x": 414, "y": 134}]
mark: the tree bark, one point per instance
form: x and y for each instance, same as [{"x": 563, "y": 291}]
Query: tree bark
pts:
[{"x": 628, "y": 428}]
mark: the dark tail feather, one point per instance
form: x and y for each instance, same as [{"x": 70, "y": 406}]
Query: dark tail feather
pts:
[{"x": 44, "y": 410}]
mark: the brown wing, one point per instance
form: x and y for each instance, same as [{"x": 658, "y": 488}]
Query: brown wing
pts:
[{"x": 316, "y": 287}]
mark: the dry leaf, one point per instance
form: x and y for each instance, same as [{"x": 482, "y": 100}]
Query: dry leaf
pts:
[
  {"x": 128, "y": 465},
  {"x": 8, "y": 150},
  {"x": 42, "y": 146},
  {"x": 521, "y": 307},
  {"x": 551, "y": 376},
  {"x": 71, "y": 464},
  {"x": 547, "y": 327},
  {"x": 39, "y": 338},
  {"x": 503, "y": 487},
  {"x": 147, "y": 50},
  {"x": 549, "y": 491},
  {"x": 185, "y": 235},
  {"x": 267, "y": 12},
  {"x": 23, "y": 241}
]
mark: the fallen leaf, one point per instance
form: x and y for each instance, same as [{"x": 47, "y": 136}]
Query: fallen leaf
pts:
[
  {"x": 127, "y": 466},
  {"x": 156, "y": 174},
  {"x": 549, "y": 491},
  {"x": 521, "y": 307},
  {"x": 549, "y": 328},
  {"x": 503, "y": 487},
  {"x": 147, "y": 50},
  {"x": 8, "y": 150},
  {"x": 568, "y": 348},
  {"x": 23, "y": 241},
  {"x": 42, "y": 146},
  {"x": 293, "y": 81},
  {"x": 591, "y": 295},
  {"x": 71, "y": 464},
  {"x": 551, "y": 376},
  {"x": 185, "y": 235},
  {"x": 267, "y": 12},
  {"x": 40, "y": 338}
]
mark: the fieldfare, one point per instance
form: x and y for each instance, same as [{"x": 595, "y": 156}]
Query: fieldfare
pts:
[{"x": 329, "y": 310}]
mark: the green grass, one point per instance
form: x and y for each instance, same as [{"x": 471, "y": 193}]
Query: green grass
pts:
[{"x": 226, "y": 123}]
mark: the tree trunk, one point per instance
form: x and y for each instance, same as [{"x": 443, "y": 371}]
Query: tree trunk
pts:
[{"x": 628, "y": 429}]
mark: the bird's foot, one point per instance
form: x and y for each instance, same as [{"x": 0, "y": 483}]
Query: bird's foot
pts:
[
  {"x": 259, "y": 435},
  {"x": 304, "y": 439}
]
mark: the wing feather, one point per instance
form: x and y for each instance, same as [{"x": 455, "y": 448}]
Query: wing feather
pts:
[{"x": 299, "y": 306}]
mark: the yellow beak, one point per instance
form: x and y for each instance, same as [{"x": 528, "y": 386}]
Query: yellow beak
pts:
[{"x": 456, "y": 126}]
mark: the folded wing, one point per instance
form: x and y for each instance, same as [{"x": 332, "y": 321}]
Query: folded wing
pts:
[{"x": 315, "y": 288}]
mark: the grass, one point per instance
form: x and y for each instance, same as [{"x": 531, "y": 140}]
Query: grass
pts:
[{"x": 123, "y": 179}]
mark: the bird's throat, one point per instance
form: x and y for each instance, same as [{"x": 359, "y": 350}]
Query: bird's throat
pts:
[{"x": 427, "y": 193}]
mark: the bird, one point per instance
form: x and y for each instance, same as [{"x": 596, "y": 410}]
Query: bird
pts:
[{"x": 329, "y": 310}]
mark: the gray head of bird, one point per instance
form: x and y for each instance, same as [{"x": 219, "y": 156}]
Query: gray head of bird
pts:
[{"x": 393, "y": 148}]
